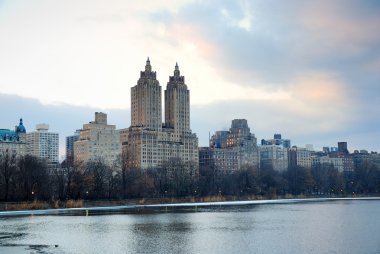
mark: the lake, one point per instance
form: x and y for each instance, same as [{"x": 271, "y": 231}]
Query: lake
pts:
[{"x": 340, "y": 226}]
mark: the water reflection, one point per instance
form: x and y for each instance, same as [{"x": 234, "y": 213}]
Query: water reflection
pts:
[{"x": 331, "y": 227}]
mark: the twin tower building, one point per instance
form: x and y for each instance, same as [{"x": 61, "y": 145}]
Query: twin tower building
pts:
[{"x": 148, "y": 142}]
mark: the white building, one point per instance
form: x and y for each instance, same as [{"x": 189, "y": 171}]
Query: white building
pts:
[
  {"x": 98, "y": 140},
  {"x": 43, "y": 144}
]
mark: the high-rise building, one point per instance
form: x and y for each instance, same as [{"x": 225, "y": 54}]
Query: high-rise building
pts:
[
  {"x": 277, "y": 140},
  {"x": 70, "y": 140},
  {"x": 274, "y": 156},
  {"x": 13, "y": 142},
  {"x": 146, "y": 100},
  {"x": 98, "y": 140},
  {"x": 147, "y": 143},
  {"x": 177, "y": 103},
  {"x": 299, "y": 156},
  {"x": 342, "y": 148},
  {"x": 43, "y": 144},
  {"x": 230, "y": 150}
]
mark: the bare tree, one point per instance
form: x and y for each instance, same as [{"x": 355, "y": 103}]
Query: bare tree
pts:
[{"x": 7, "y": 170}]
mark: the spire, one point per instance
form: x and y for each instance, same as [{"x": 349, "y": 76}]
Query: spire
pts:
[
  {"x": 148, "y": 67},
  {"x": 176, "y": 70}
]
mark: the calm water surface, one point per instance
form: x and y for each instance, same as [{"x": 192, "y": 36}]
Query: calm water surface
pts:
[{"x": 326, "y": 227}]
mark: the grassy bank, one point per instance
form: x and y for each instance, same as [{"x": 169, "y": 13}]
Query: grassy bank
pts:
[{"x": 37, "y": 205}]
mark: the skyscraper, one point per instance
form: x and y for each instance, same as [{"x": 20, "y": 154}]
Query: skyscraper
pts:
[
  {"x": 177, "y": 103},
  {"x": 147, "y": 143},
  {"x": 146, "y": 100}
]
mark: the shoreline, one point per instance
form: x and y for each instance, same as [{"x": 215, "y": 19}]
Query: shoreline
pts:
[{"x": 170, "y": 207}]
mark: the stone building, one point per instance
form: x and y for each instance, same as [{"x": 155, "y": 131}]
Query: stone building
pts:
[
  {"x": 230, "y": 150},
  {"x": 299, "y": 156},
  {"x": 148, "y": 142},
  {"x": 274, "y": 156},
  {"x": 13, "y": 142},
  {"x": 98, "y": 140}
]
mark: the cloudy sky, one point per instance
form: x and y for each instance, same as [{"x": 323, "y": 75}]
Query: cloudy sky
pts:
[{"x": 307, "y": 69}]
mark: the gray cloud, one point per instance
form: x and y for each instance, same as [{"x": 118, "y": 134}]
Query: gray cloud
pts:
[
  {"x": 264, "y": 119},
  {"x": 64, "y": 119}
]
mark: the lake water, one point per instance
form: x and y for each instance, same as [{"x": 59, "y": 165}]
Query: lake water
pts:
[{"x": 348, "y": 226}]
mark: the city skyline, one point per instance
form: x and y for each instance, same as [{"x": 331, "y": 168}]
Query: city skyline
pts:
[{"x": 306, "y": 70}]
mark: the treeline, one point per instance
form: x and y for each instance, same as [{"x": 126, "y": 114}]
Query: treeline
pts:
[{"x": 29, "y": 178}]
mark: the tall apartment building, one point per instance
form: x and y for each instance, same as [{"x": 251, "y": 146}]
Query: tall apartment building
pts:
[
  {"x": 97, "y": 139},
  {"x": 299, "y": 156},
  {"x": 13, "y": 142},
  {"x": 147, "y": 143},
  {"x": 43, "y": 144},
  {"x": 70, "y": 140},
  {"x": 274, "y": 156},
  {"x": 230, "y": 150}
]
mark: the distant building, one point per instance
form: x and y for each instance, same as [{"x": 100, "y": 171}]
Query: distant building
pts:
[
  {"x": 299, "y": 157},
  {"x": 342, "y": 148},
  {"x": 43, "y": 144},
  {"x": 277, "y": 140},
  {"x": 336, "y": 162},
  {"x": 97, "y": 139},
  {"x": 230, "y": 150},
  {"x": 309, "y": 147},
  {"x": 222, "y": 160},
  {"x": 148, "y": 143},
  {"x": 274, "y": 156},
  {"x": 364, "y": 157},
  {"x": 13, "y": 142},
  {"x": 70, "y": 140}
]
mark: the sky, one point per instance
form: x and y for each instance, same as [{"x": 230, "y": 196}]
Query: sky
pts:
[{"x": 309, "y": 70}]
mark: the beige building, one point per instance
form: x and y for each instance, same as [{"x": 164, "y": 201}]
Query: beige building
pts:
[
  {"x": 43, "y": 144},
  {"x": 98, "y": 140},
  {"x": 299, "y": 156},
  {"x": 147, "y": 142}
]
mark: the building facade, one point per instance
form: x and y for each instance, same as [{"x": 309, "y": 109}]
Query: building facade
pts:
[
  {"x": 334, "y": 161},
  {"x": 70, "y": 140},
  {"x": 230, "y": 150},
  {"x": 98, "y": 140},
  {"x": 13, "y": 142},
  {"x": 148, "y": 142},
  {"x": 43, "y": 144},
  {"x": 299, "y": 156},
  {"x": 274, "y": 156}
]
